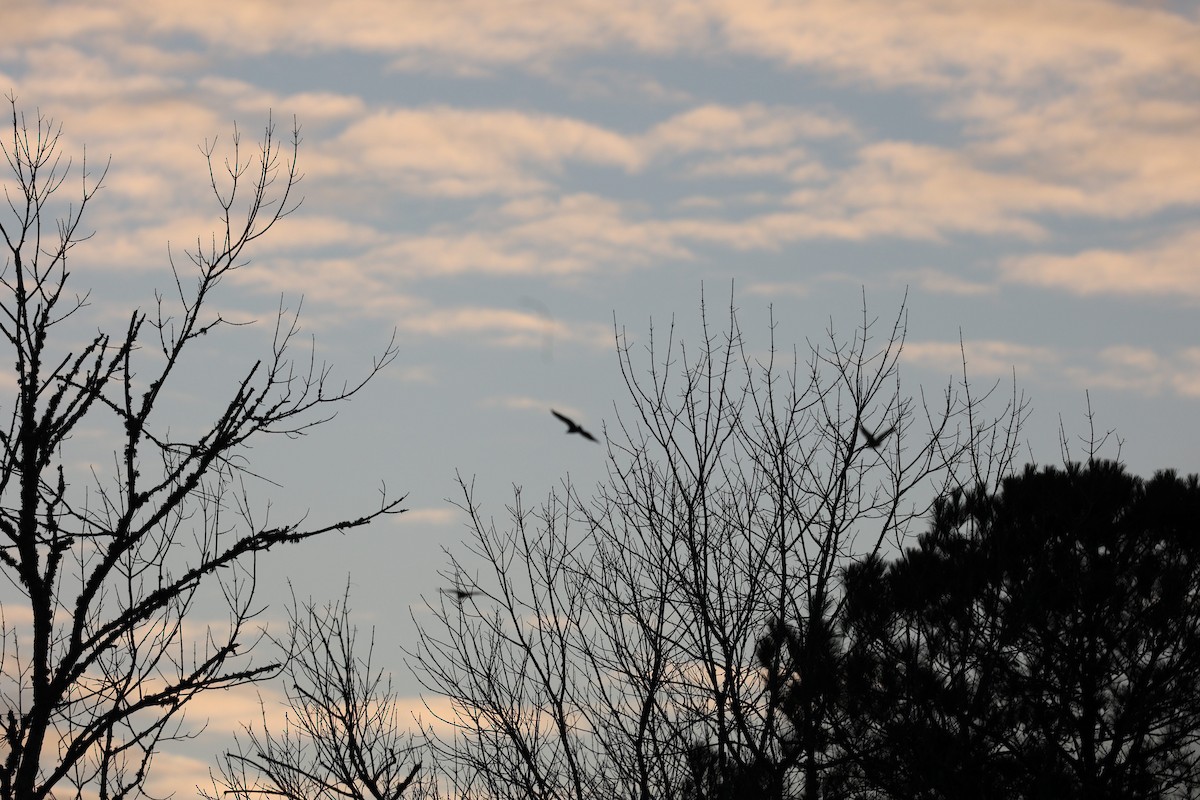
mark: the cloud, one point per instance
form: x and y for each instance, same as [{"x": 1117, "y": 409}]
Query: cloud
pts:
[
  {"x": 1095, "y": 94},
  {"x": 721, "y": 128},
  {"x": 16, "y": 615},
  {"x": 441, "y": 715},
  {"x": 463, "y": 153},
  {"x": 1142, "y": 370},
  {"x": 227, "y": 710},
  {"x": 1091, "y": 116},
  {"x": 309, "y": 107},
  {"x": 297, "y": 241},
  {"x": 175, "y": 774},
  {"x": 500, "y": 327},
  {"x": 1121, "y": 367},
  {"x": 516, "y": 403},
  {"x": 1167, "y": 268},
  {"x": 925, "y": 192},
  {"x": 889, "y": 44},
  {"x": 941, "y": 45},
  {"x": 540, "y": 235},
  {"x": 42, "y": 21},
  {"x": 64, "y": 73},
  {"x": 1094, "y": 99},
  {"x": 794, "y": 164},
  {"x": 995, "y": 186},
  {"x": 1131, "y": 154},
  {"x": 618, "y": 84},
  {"x": 310, "y": 232},
  {"x": 429, "y": 516},
  {"x": 450, "y": 152},
  {"x": 777, "y": 290},
  {"x": 420, "y": 374},
  {"x": 987, "y": 358},
  {"x": 467, "y": 32},
  {"x": 941, "y": 282},
  {"x": 364, "y": 281}
]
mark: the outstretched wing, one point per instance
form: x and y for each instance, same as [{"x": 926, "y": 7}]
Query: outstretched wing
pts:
[
  {"x": 574, "y": 427},
  {"x": 876, "y": 439}
]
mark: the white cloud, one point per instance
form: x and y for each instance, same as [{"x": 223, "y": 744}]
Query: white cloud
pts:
[
  {"x": 1167, "y": 268},
  {"x": 429, "y": 516},
  {"x": 501, "y": 327}
]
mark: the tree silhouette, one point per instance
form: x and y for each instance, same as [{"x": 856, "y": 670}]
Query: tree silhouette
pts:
[
  {"x": 1041, "y": 641},
  {"x": 674, "y": 634},
  {"x": 343, "y": 736},
  {"x": 98, "y": 663}
]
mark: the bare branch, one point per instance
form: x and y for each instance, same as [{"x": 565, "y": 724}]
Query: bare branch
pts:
[{"x": 110, "y": 564}]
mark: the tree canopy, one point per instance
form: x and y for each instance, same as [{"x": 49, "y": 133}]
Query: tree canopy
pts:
[
  {"x": 675, "y": 634},
  {"x": 1040, "y": 640},
  {"x": 107, "y": 559}
]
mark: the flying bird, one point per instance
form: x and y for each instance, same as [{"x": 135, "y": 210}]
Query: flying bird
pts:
[
  {"x": 459, "y": 593},
  {"x": 574, "y": 427},
  {"x": 876, "y": 439}
]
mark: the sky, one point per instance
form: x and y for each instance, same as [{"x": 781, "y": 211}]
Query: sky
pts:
[{"x": 501, "y": 183}]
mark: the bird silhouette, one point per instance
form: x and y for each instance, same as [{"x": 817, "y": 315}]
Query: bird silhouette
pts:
[
  {"x": 876, "y": 439},
  {"x": 459, "y": 593},
  {"x": 574, "y": 427}
]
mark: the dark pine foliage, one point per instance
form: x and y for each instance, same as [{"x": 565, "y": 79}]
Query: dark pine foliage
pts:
[{"x": 1042, "y": 640}]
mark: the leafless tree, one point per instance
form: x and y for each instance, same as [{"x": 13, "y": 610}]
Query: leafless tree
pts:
[
  {"x": 99, "y": 660},
  {"x": 342, "y": 736},
  {"x": 671, "y": 634}
]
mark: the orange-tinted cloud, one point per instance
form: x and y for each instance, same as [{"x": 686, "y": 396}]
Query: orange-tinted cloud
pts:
[
  {"x": 985, "y": 358},
  {"x": 453, "y": 152},
  {"x": 503, "y": 327},
  {"x": 1137, "y": 369},
  {"x": 1166, "y": 269}
]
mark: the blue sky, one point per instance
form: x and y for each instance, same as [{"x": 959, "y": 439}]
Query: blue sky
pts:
[{"x": 499, "y": 181}]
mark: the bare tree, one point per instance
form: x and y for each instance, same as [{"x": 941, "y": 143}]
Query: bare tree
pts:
[
  {"x": 673, "y": 634},
  {"x": 342, "y": 736},
  {"x": 98, "y": 661}
]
